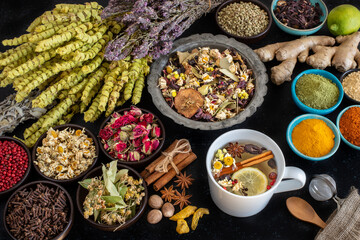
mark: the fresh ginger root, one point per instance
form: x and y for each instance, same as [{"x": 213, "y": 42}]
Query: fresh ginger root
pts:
[
  {"x": 343, "y": 57},
  {"x": 289, "y": 53}
]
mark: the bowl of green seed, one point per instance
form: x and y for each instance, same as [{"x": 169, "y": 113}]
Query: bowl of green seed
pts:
[
  {"x": 246, "y": 20},
  {"x": 317, "y": 91}
]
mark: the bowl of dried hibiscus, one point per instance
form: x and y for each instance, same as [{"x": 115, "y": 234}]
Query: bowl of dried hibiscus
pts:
[{"x": 208, "y": 82}]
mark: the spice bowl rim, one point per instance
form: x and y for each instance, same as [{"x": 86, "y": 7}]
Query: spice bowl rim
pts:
[
  {"x": 27, "y": 172},
  {"x": 343, "y": 76},
  {"x": 70, "y": 223},
  {"x": 325, "y": 74},
  {"x": 62, "y": 127},
  {"x": 142, "y": 161},
  {"x": 246, "y": 39},
  {"x": 338, "y": 126},
  {"x": 116, "y": 227},
  {"x": 328, "y": 122},
  {"x": 295, "y": 31}
]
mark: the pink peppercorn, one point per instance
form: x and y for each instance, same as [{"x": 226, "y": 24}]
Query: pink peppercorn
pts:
[{"x": 13, "y": 164}]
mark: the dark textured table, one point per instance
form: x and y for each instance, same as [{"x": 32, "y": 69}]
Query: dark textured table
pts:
[{"x": 272, "y": 118}]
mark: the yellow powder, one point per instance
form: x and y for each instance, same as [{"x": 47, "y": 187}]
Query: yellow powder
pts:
[{"x": 313, "y": 138}]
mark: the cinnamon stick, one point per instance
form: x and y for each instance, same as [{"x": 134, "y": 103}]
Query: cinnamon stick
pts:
[
  {"x": 156, "y": 175},
  {"x": 248, "y": 163},
  {"x": 171, "y": 174},
  {"x": 151, "y": 167}
]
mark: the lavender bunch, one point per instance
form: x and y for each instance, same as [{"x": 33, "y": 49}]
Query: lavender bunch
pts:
[{"x": 151, "y": 26}]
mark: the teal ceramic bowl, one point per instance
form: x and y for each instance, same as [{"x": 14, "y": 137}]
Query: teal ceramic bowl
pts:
[
  {"x": 301, "y": 32},
  {"x": 338, "y": 126},
  {"x": 308, "y": 109},
  {"x": 330, "y": 124}
]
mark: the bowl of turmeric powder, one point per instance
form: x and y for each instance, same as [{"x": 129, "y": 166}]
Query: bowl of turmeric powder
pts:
[
  {"x": 313, "y": 137},
  {"x": 348, "y": 122}
]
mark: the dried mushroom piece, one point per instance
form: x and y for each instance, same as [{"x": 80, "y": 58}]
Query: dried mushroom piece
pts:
[{"x": 188, "y": 101}]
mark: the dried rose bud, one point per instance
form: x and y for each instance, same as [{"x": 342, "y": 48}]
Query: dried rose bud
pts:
[
  {"x": 147, "y": 117},
  {"x": 121, "y": 156},
  {"x": 155, "y": 131},
  {"x": 154, "y": 144},
  {"x": 120, "y": 146},
  {"x": 127, "y": 128},
  {"x": 106, "y": 146},
  {"x": 146, "y": 148},
  {"x": 139, "y": 131},
  {"x": 124, "y": 136},
  {"x": 136, "y": 142},
  {"x": 145, "y": 139},
  {"x": 105, "y": 133},
  {"x": 136, "y": 112},
  {"x": 134, "y": 156}
]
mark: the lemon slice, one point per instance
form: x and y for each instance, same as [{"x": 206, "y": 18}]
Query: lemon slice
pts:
[{"x": 253, "y": 179}]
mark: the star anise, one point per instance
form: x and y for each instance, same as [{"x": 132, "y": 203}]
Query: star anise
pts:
[
  {"x": 182, "y": 199},
  {"x": 168, "y": 194},
  {"x": 235, "y": 149},
  {"x": 184, "y": 181}
]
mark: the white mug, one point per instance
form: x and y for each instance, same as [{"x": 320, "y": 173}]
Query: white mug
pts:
[{"x": 245, "y": 206}]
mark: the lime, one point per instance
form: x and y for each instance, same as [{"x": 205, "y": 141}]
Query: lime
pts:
[
  {"x": 343, "y": 20},
  {"x": 253, "y": 179}
]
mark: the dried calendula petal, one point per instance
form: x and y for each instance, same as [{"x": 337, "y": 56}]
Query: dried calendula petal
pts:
[
  {"x": 197, "y": 215},
  {"x": 78, "y": 132},
  {"x": 182, "y": 227},
  {"x": 186, "y": 212},
  {"x": 188, "y": 101}
]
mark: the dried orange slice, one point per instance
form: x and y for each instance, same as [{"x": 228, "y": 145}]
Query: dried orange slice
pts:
[{"x": 188, "y": 101}]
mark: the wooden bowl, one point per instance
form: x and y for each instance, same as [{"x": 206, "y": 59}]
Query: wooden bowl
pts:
[
  {"x": 147, "y": 159},
  {"x": 70, "y": 204},
  {"x": 62, "y": 127},
  {"x": 26, "y": 174},
  {"x": 250, "y": 39},
  {"x": 81, "y": 193}
]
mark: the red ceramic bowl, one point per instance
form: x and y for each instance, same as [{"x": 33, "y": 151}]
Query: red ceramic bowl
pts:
[
  {"x": 81, "y": 194},
  {"x": 69, "y": 203},
  {"x": 62, "y": 127},
  {"x": 26, "y": 174},
  {"x": 146, "y": 160}
]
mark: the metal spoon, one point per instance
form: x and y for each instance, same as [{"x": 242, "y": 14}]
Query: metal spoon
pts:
[{"x": 302, "y": 210}]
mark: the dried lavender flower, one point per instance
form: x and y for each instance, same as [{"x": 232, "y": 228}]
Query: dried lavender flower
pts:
[{"x": 151, "y": 26}]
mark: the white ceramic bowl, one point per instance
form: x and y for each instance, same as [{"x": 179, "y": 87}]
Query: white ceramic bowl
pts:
[{"x": 245, "y": 206}]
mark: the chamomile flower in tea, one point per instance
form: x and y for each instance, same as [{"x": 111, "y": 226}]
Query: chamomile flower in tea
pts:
[{"x": 244, "y": 169}]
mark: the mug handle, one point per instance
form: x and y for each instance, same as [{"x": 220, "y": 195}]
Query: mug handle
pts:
[{"x": 296, "y": 180}]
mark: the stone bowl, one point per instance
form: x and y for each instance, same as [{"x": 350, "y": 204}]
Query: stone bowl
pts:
[{"x": 213, "y": 41}]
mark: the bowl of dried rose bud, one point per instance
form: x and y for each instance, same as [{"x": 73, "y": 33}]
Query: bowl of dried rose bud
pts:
[
  {"x": 302, "y": 17},
  {"x": 208, "y": 82},
  {"x": 39, "y": 210},
  {"x": 15, "y": 164},
  {"x": 133, "y": 136},
  {"x": 65, "y": 153},
  {"x": 248, "y": 21},
  {"x": 112, "y": 197}
]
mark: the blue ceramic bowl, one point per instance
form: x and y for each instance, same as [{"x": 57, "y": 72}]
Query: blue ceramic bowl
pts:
[
  {"x": 308, "y": 109},
  {"x": 337, "y": 124},
  {"x": 301, "y": 32},
  {"x": 330, "y": 124}
]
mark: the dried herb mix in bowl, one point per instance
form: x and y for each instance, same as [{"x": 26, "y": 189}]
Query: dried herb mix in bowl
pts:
[
  {"x": 299, "y": 14},
  {"x": 243, "y": 19},
  {"x": 39, "y": 212},
  {"x": 207, "y": 84},
  {"x": 131, "y": 136},
  {"x": 113, "y": 198},
  {"x": 65, "y": 154}
]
